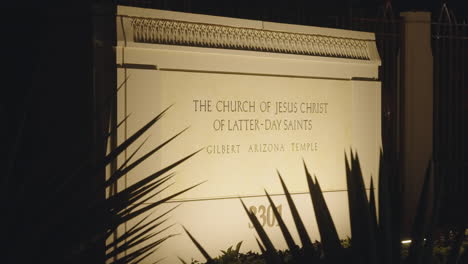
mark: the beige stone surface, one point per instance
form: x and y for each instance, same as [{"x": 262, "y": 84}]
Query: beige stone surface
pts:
[{"x": 281, "y": 109}]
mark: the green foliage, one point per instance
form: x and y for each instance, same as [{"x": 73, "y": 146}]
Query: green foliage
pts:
[
  {"x": 442, "y": 248},
  {"x": 230, "y": 255},
  {"x": 233, "y": 256}
]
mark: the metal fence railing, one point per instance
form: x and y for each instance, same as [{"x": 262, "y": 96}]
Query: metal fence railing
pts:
[{"x": 450, "y": 52}]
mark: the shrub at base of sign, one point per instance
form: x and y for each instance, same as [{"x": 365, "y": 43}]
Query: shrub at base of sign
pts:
[{"x": 372, "y": 241}]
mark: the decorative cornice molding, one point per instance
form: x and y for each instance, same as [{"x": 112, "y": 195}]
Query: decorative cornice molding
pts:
[{"x": 173, "y": 32}]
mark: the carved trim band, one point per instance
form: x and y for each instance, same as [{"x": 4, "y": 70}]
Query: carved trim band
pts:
[{"x": 161, "y": 31}]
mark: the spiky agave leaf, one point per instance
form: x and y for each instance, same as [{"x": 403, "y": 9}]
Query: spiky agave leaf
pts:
[
  {"x": 270, "y": 251},
  {"x": 284, "y": 229},
  {"x": 157, "y": 174},
  {"x": 90, "y": 167},
  {"x": 300, "y": 227},
  {"x": 145, "y": 256},
  {"x": 115, "y": 129},
  {"x": 120, "y": 201},
  {"x": 389, "y": 232},
  {"x": 139, "y": 227},
  {"x": 262, "y": 248},
  {"x": 372, "y": 208},
  {"x": 127, "y": 242},
  {"x": 375, "y": 225},
  {"x": 142, "y": 251},
  {"x": 182, "y": 260},
  {"x": 416, "y": 251},
  {"x": 138, "y": 240},
  {"x": 157, "y": 203},
  {"x": 139, "y": 235},
  {"x": 328, "y": 234},
  {"x": 67, "y": 208},
  {"x": 122, "y": 147},
  {"x": 199, "y": 247},
  {"x": 362, "y": 231},
  {"x": 118, "y": 174},
  {"x": 123, "y": 206}
]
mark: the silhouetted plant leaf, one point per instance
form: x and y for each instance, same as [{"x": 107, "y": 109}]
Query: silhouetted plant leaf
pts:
[
  {"x": 372, "y": 209},
  {"x": 130, "y": 167},
  {"x": 238, "y": 247},
  {"x": 141, "y": 251},
  {"x": 415, "y": 255},
  {"x": 181, "y": 260},
  {"x": 157, "y": 261},
  {"x": 157, "y": 203},
  {"x": 126, "y": 194},
  {"x": 114, "y": 130},
  {"x": 362, "y": 232},
  {"x": 270, "y": 251},
  {"x": 329, "y": 237},
  {"x": 73, "y": 214},
  {"x": 262, "y": 249},
  {"x": 143, "y": 257},
  {"x": 122, "y": 147},
  {"x": 287, "y": 236},
  {"x": 123, "y": 200},
  {"x": 199, "y": 247},
  {"x": 389, "y": 236},
  {"x": 301, "y": 230},
  {"x": 157, "y": 174}
]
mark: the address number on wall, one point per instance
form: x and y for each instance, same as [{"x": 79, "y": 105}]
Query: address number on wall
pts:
[{"x": 265, "y": 215}]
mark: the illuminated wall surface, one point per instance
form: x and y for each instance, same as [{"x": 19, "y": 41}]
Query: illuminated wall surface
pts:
[{"x": 257, "y": 97}]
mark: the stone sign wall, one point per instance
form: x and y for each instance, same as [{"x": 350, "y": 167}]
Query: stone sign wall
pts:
[{"x": 256, "y": 98}]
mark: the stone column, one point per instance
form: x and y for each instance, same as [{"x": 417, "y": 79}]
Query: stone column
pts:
[{"x": 417, "y": 104}]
